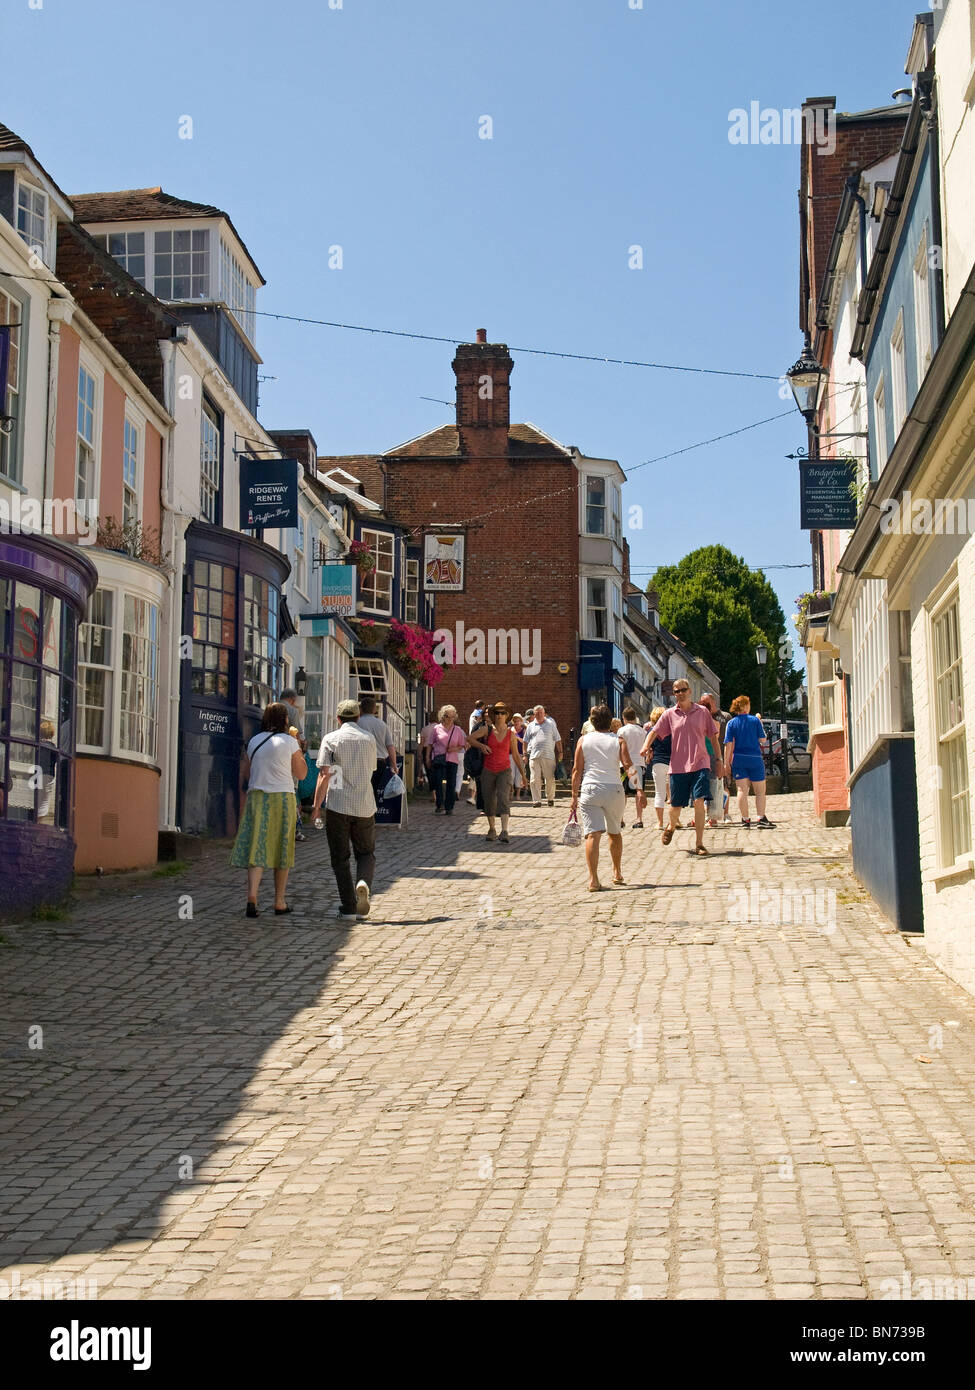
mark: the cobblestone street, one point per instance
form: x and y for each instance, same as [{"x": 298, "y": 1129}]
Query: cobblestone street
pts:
[{"x": 498, "y": 1086}]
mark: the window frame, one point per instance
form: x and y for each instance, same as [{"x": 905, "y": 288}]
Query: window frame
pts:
[
  {"x": 898, "y": 374},
  {"x": 594, "y": 608},
  {"x": 88, "y": 367},
  {"x": 602, "y": 507},
  {"x": 880, "y": 423},
  {"x": 922, "y": 308},
  {"x": 207, "y": 277},
  {"x": 367, "y": 581},
  {"x": 137, "y": 424},
  {"x": 200, "y": 643},
  {"x": 300, "y": 574},
  {"x": 211, "y": 487},
  {"x": 411, "y": 599},
  {"x": 11, "y": 445},
  {"x": 104, "y": 747},
  {"x": 44, "y": 246},
  {"x": 949, "y": 850}
]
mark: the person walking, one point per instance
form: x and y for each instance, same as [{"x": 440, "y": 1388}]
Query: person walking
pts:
[
  {"x": 266, "y": 836},
  {"x": 659, "y": 766},
  {"x": 717, "y": 765},
  {"x": 632, "y": 735},
  {"x": 544, "y": 746},
  {"x": 347, "y": 761},
  {"x": 598, "y": 794},
  {"x": 498, "y": 744},
  {"x": 689, "y": 726},
  {"x": 370, "y": 723},
  {"x": 743, "y": 754},
  {"x": 517, "y": 781},
  {"x": 588, "y": 726},
  {"x": 442, "y": 750},
  {"x": 289, "y": 697},
  {"x": 477, "y": 715}
]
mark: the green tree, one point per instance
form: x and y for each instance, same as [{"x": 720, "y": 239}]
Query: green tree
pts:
[{"x": 722, "y": 610}]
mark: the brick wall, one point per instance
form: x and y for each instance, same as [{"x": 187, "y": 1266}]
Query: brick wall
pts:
[
  {"x": 830, "y": 772},
  {"x": 522, "y": 569}
]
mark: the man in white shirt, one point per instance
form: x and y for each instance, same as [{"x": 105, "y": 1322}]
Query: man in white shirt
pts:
[
  {"x": 543, "y": 744},
  {"x": 370, "y": 722},
  {"x": 633, "y": 737},
  {"x": 347, "y": 761}
]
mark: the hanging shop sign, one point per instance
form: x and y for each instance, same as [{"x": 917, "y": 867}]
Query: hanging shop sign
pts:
[
  {"x": 338, "y": 590},
  {"x": 827, "y": 501},
  {"x": 443, "y": 562},
  {"x": 268, "y": 493}
]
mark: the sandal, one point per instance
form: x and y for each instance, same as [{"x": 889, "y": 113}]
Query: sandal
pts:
[
  {"x": 701, "y": 850},
  {"x": 280, "y": 911},
  {"x": 599, "y": 888},
  {"x": 667, "y": 836},
  {"x": 638, "y": 825},
  {"x": 252, "y": 910},
  {"x": 620, "y": 881}
]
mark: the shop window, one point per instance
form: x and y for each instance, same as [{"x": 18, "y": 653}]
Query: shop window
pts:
[
  {"x": 955, "y": 820},
  {"x": 368, "y": 676},
  {"x": 36, "y": 705},
  {"x": 260, "y": 641},
  {"x": 214, "y": 629},
  {"x": 314, "y": 689}
]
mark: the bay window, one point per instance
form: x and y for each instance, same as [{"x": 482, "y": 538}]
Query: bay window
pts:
[
  {"x": 118, "y": 674},
  {"x": 260, "y": 641},
  {"x": 214, "y": 629}
]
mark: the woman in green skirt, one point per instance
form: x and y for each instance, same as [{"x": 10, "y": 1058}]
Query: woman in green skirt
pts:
[{"x": 266, "y": 838}]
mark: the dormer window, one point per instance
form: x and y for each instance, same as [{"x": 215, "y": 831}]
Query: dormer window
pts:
[
  {"x": 32, "y": 218},
  {"x": 181, "y": 268},
  {"x": 129, "y": 249},
  {"x": 236, "y": 291}
]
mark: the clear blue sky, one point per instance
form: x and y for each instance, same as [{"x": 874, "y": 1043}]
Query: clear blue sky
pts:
[{"x": 358, "y": 126}]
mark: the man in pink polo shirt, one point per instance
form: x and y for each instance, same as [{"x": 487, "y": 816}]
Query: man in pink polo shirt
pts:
[{"x": 689, "y": 725}]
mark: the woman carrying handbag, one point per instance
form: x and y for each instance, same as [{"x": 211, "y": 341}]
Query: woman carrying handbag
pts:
[
  {"x": 444, "y": 742},
  {"x": 266, "y": 837}
]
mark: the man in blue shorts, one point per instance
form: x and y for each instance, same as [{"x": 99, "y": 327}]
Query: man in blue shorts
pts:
[{"x": 689, "y": 727}]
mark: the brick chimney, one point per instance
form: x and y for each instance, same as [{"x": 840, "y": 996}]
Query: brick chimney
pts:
[{"x": 483, "y": 371}]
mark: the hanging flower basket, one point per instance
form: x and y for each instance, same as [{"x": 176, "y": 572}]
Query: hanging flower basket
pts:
[
  {"x": 362, "y": 557},
  {"x": 412, "y": 648}
]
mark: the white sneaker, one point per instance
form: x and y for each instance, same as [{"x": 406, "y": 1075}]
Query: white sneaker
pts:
[
  {"x": 346, "y": 916},
  {"x": 362, "y": 898}
]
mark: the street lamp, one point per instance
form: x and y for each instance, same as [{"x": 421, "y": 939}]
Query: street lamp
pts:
[
  {"x": 783, "y": 677},
  {"x": 761, "y": 656},
  {"x": 301, "y": 682},
  {"x": 808, "y": 379}
]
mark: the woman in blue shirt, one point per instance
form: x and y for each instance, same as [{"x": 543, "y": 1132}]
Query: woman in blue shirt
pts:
[{"x": 743, "y": 751}]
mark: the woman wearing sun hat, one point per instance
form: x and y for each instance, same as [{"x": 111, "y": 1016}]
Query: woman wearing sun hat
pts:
[{"x": 499, "y": 745}]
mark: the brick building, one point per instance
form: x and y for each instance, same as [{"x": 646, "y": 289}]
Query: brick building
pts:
[{"x": 514, "y": 492}]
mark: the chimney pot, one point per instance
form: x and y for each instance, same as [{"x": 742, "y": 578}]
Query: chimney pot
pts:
[{"x": 482, "y": 335}]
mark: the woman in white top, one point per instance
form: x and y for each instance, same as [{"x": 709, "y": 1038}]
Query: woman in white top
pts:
[
  {"x": 598, "y": 792},
  {"x": 266, "y": 837}
]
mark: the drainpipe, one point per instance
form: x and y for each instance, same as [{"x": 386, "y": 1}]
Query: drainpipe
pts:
[
  {"x": 58, "y": 311},
  {"x": 174, "y": 530},
  {"x": 934, "y": 160}
]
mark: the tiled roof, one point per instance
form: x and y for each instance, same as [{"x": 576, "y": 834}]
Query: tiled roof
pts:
[
  {"x": 524, "y": 441},
  {"x": 145, "y": 205},
  {"x": 12, "y": 142}
]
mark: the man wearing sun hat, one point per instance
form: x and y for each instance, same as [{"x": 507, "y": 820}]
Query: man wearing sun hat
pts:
[{"x": 347, "y": 761}]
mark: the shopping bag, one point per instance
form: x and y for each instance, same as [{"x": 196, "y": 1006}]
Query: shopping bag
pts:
[
  {"x": 394, "y": 787},
  {"x": 572, "y": 834}
]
